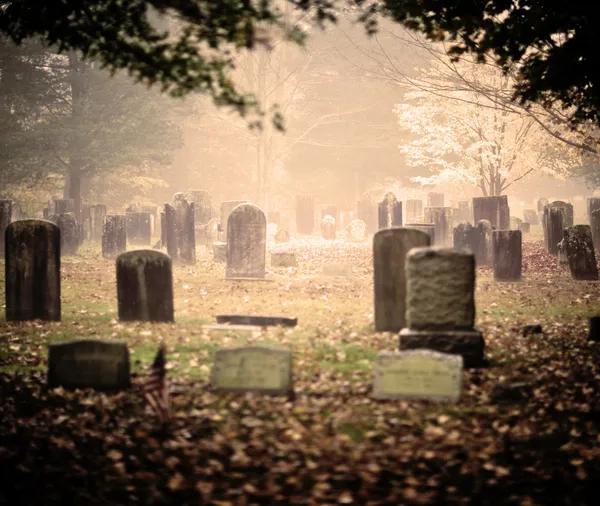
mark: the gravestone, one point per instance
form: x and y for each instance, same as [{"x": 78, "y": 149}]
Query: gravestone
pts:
[
  {"x": 331, "y": 210},
  {"x": 493, "y": 209},
  {"x": 507, "y": 255},
  {"x": 414, "y": 210},
  {"x": 17, "y": 213},
  {"x": 428, "y": 228},
  {"x": 541, "y": 203},
  {"x": 441, "y": 217},
  {"x": 181, "y": 241},
  {"x": 524, "y": 228},
  {"x": 253, "y": 369},
  {"x": 530, "y": 217},
  {"x": 5, "y": 220},
  {"x": 593, "y": 211},
  {"x": 61, "y": 206},
  {"x": 580, "y": 252},
  {"x": 483, "y": 243},
  {"x": 557, "y": 216},
  {"x": 440, "y": 304},
  {"x": 356, "y": 231},
  {"x": 114, "y": 235},
  {"x": 390, "y": 247},
  {"x": 32, "y": 271},
  {"x": 138, "y": 228},
  {"x": 202, "y": 206},
  {"x": 219, "y": 251},
  {"x": 328, "y": 228},
  {"x": 211, "y": 233},
  {"x": 282, "y": 235},
  {"x": 261, "y": 321},
  {"x": 305, "y": 214},
  {"x": 145, "y": 286},
  {"x": 463, "y": 212},
  {"x": 102, "y": 365},
  {"x": 435, "y": 200},
  {"x": 367, "y": 212},
  {"x": 227, "y": 208},
  {"x": 515, "y": 223},
  {"x": 69, "y": 233},
  {"x": 390, "y": 212},
  {"x": 283, "y": 259},
  {"x": 247, "y": 240},
  {"x": 593, "y": 204},
  {"x": 465, "y": 236},
  {"x": 97, "y": 214},
  {"x": 563, "y": 259},
  {"x": 418, "y": 374}
]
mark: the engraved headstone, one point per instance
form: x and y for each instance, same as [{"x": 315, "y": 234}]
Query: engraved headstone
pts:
[
  {"x": 102, "y": 365},
  {"x": 305, "y": 214},
  {"x": 32, "y": 271},
  {"x": 247, "y": 239},
  {"x": 390, "y": 247},
  {"x": 557, "y": 216},
  {"x": 328, "y": 228},
  {"x": 145, "y": 286},
  {"x": 493, "y": 209},
  {"x": 390, "y": 211},
  {"x": 331, "y": 210},
  {"x": 202, "y": 206},
  {"x": 114, "y": 235},
  {"x": 183, "y": 247},
  {"x": 418, "y": 374},
  {"x": 593, "y": 212},
  {"x": 507, "y": 255},
  {"x": 563, "y": 259},
  {"x": 580, "y": 253},
  {"x": 253, "y": 369}
]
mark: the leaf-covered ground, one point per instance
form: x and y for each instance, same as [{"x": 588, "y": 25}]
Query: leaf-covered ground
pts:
[{"x": 526, "y": 430}]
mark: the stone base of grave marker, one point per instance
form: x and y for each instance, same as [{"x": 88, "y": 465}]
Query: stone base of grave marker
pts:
[
  {"x": 283, "y": 259},
  {"x": 467, "y": 343}
]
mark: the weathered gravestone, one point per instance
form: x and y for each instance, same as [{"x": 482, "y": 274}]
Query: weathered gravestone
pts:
[
  {"x": 69, "y": 233},
  {"x": 441, "y": 218},
  {"x": 390, "y": 247},
  {"x": 102, "y": 365},
  {"x": 428, "y": 228},
  {"x": 247, "y": 242},
  {"x": 356, "y": 231},
  {"x": 557, "y": 216},
  {"x": 367, "y": 212},
  {"x": 435, "y": 200},
  {"x": 17, "y": 212},
  {"x": 390, "y": 211},
  {"x": 531, "y": 217},
  {"x": 211, "y": 232},
  {"x": 283, "y": 259},
  {"x": 202, "y": 206},
  {"x": 328, "y": 228},
  {"x": 580, "y": 253},
  {"x": 32, "y": 271},
  {"x": 414, "y": 210},
  {"x": 524, "y": 227},
  {"x": 507, "y": 255},
  {"x": 145, "y": 286},
  {"x": 305, "y": 214},
  {"x": 515, "y": 223},
  {"x": 331, "y": 210},
  {"x": 181, "y": 231},
  {"x": 563, "y": 259},
  {"x": 5, "y": 220},
  {"x": 418, "y": 374},
  {"x": 97, "y": 214},
  {"x": 282, "y": 235},
  {"x": 227, "y": 208},
  {"x": 440, "y": 304},
  {"x": 483, "y": 243},
  {"x": 593, "y": 206},
  {"x": 541, "y": 203},
  {"x": 138, "y": 228},
  {"x": 219, "y": 251},
  {"x": 61, "y": 206},
  {"x": 253, "y": 369},
  {"x": 114, "y": 235},
  {"x": 463, "y": 212},
  {"x": 493, "y": 209},
  {"x": 465, "y": 236}
]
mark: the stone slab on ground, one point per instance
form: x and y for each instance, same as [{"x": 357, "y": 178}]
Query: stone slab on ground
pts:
[
  {"x": 260, "y": 321},
  {"x": 223, "y": 330}
]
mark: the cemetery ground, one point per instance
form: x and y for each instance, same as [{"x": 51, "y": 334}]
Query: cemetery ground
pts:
[{"x": 525, "y": 431}]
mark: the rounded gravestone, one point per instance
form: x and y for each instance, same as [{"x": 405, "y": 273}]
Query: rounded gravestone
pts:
[
  {"x": 211, "y": 232},
  {"x": 328, "y": 227},
  {"x": 465, "y": 236},
  {"x": 32, "y": 271},
  {"x": 390, "y": 247},
  {"x": 246, "y": 242},
  {"x": 356, "y": 230},
  {"x": 145, "y": 286}
]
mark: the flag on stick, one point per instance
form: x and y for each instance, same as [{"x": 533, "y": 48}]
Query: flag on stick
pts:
[{"x": 156, "y": 389}]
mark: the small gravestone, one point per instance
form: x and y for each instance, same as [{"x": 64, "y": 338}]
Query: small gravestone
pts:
[
  {"x": 114, "y": 235},
  {"x": 563, "y": 259},
  {"x": 483, "y": 243},
  {"x": 32, "y": 271},
  {"x": 139, "y": 228},
  {"x": 441, "y": 218},
  {"x": 493, "y": 209},
  {"x": 356, "y": 231},
  {"x": 465, "y": 236},
  {"x": 6, "y": 207},
  {"x": 211, "y": 232},
  {"x": 102, "y": 365},
  {"x": 531, "y": 330},
  {"x": 227, "y": 208},
  {"x": 337, "y": 270},
  {"x": 390, "y": 212},
  {"x": 185, "y": 231},
  {"x": 283, "y": 259},
  {"x": 507, "y": 255},
  {"x": 282, "y": 236},
  {"x": 580, "y": 253},
  {"x": 145, "y": 286},
  {"x": 328, "y": 228},
  {"x": 253, "y": 369},
  {"x": 414, "y": 210},
  {"x": 97, "y": 214},
  {"x": 427, "y": 228},
  {"x": 530, "y": 217},
  {"x": 418, "y": 374},
  {"x": 247, "y": 242},
  {"x": 219, "y": 251},
  {"x": 435, "y": 200},
  {"x": 440, "y": 304},
  {"x": 524, "y": 227},
  {"x": 69, "y": 233},
  {"x": 367, "y": 213},
  {"x": 390, "y": 247},
  {"x": 305, "y": 214},
  {"x": 260, "y": 321},
  {"x": 595, "y": 227},
  {"x": 331, "y": 210}
]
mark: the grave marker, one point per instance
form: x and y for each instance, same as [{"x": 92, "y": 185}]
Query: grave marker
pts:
[
  {"x": 507, "y": 255},
  {"x": 114, "y": 235},
  {"x": 247, "y": 242}
]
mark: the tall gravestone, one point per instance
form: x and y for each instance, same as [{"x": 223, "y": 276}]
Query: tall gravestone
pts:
[
  {"x": 580, "y": 253},
  {"x": 441, "y": 218},
  {"x": 114, "y": 235},
  {"x": 465, "y": 236},
  {"x": 440, "y": 304},
  {"x": 145, "y": 286},
  {"x": 185, "y": 230},
  {"x": 390, "y": 247},
  {"x": 97, "y": 214},
  {"x": 367, "y": 212},
  {"x": 531, "y": 217},
  {"x": 227, "y": 208},
  {"x": 593, "y": 213},
  {"x": 493, "y": 209},
  {"x": 32, "y": 271},
  {"x": 483, "y": 243},
  {"x": 5, "y": 220},
  {"x": 507, "y": 255},
  {"x": 139, "y": 228},
  {"x": 435, "y": 200},
  {"x": 414, "y": 210},
  {"x": 17, "y": 212},
  {"x": 247, "y": 242},
  {"x": 305, "y": 214},
  {"x": 390, "y": 211},
  {"x": 328, "y": 228},
  {"x": 331, "y": 210},
  {"x": 69, "y": 233},
  {"x": 557, "y": 216}
]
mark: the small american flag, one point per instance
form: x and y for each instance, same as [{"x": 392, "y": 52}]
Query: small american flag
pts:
[{"x": 156, "y": 389}]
